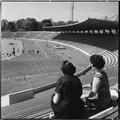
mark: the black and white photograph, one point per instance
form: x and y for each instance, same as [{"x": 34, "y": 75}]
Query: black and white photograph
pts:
[{"x": 59, "y": 59}]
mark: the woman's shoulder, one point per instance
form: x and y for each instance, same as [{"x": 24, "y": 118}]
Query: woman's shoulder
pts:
[{"x": 62, "y": 78}]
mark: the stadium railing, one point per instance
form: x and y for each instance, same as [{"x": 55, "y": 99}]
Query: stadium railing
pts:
[
  {"x": 28, "y": 94},
  {"x": 109, "y": 113}
]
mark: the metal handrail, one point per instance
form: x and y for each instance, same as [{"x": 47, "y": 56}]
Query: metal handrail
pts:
[{"x": 52, "y": 85}]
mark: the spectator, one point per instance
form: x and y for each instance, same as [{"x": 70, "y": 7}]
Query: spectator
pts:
[
  {"x": 66, "y": 101},
  {"x": 13, "y": 52},
  {"x": 99, "y": 96},
  {"x": 23, "y": 51},
  {"x": 38, "y": 52}
]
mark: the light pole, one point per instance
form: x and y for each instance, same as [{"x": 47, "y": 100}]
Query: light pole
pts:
[{"x": 72, "y": 11}]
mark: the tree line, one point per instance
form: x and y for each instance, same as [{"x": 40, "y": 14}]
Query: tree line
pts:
[{"x": 30, "y": 24}]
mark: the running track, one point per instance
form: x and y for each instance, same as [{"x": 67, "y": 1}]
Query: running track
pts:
[{"x": 30, "y": 108}]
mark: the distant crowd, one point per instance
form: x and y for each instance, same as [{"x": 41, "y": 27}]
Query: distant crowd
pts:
[{"x": 14, "y": 52}]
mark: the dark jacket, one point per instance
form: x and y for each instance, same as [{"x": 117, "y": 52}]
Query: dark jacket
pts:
[{"x": 70, "y": 105}]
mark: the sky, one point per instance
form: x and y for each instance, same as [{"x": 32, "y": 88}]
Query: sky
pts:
[{"x": 58, "y": 11}]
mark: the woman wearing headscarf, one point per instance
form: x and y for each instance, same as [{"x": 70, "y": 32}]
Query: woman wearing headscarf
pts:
[{"x": 66, "y": 101}]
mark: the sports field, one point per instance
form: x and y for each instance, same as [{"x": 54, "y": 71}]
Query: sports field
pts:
[{"x": 34, "y": 69}]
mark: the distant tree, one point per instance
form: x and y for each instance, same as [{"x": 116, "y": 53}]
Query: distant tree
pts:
[
  {"x": 20, "y": 24},
  {"x": 4, "y": 24},
  {"x": 11, "y": 26},
  {"x": 31, "y": 24},
  {"x": 46, "y": 25},
  {"x": 47, "y": 22},
  {"x": 60, "y": 23},
  {"x": 72, "y": 22},
  {"x": 54, "y": 23},
  {"x": 40, "y": 26}
]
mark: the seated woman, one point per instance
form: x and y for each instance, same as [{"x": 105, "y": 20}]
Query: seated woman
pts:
[
  {"x": 66, "y": 101},
  {"x": 99, "y": 96}
]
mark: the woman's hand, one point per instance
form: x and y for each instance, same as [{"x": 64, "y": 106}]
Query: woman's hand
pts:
[{"x": 56, "y": 98}]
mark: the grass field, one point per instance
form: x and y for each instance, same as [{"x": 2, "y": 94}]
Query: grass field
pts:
[{"x": 33, "y": 69}]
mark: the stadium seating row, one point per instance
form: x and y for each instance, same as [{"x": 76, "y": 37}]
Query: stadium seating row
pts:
[
  {"x": 37, "y": 35},
  {"x": 112, "y": 111}
]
